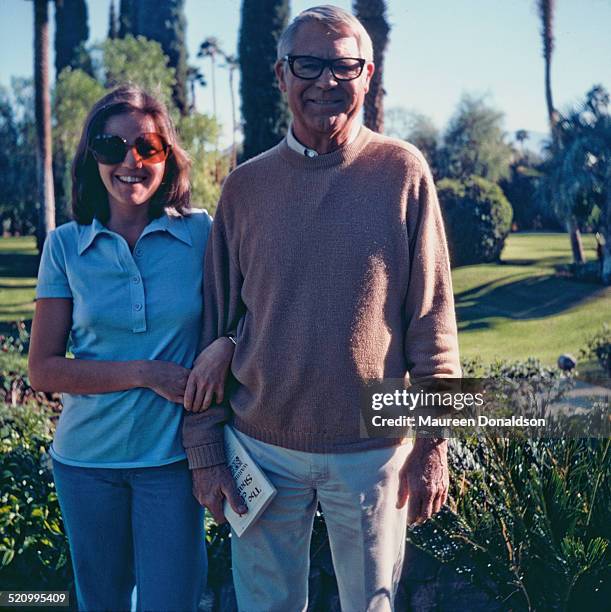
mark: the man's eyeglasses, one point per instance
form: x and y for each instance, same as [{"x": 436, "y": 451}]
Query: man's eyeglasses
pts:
[
  {"x": 309, "y": 68},
  {"x": 149, "y": 148}
]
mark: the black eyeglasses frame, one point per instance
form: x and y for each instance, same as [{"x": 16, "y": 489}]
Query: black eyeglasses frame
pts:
[{"x": 325, "y": 63}]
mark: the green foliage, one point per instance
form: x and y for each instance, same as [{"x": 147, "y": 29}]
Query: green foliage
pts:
[
  {"x": 520, "y": 188},
  {"x": 599, "y": 346},
  {"x": 264, "y": 110},
  {"x": 477, "y": 219},
  {"x": 197, "y": 133},
  {"x": 71, "y": 34},
  {"x": 417, "y": 129},
  {"x": 18, "y": 195},
  {"x": 529, "y": 521},
  {"x": 165, "y": 23},
  {"x": 74, "y": 94},
  {"x": 141, "y": 62},
  {"x": 577, "y": 167},
  {"x": 474, "y": 143},
  {"x": 33, "y": 547}
]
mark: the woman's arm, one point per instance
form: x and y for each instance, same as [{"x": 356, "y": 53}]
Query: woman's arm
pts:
[{"x": 50, "y": 370}]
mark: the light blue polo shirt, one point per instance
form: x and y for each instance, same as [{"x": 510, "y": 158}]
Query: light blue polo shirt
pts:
[{"x": 145, "y": 304}]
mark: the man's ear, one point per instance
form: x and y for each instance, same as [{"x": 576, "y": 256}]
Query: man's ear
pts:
[
  {"x": 369, "y": 70},
  {"x": 279, "y": 70}
]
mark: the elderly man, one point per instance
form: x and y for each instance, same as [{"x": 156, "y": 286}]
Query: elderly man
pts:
[{"x": 328, "y": 260}]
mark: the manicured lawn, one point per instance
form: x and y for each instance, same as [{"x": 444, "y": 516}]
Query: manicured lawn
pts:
[
  {"x": 520, "y": 308},
  {"x": 512, "y": 310},
  {"x": 18, "y": 265}
]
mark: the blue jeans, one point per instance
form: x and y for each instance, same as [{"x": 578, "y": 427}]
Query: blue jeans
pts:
[{"x": 129, "y": 527}]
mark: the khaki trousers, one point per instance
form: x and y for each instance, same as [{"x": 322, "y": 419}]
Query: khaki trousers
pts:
[{"x": 358, "y": 496}]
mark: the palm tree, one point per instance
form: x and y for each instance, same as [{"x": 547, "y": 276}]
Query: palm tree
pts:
[
  {"x": 581, "y": 166},
  {"x": 521, "y": 137},
  {"x": 546, "y": 13},
  {"x": 210, "y": 48},
  {"x": 42, "y": 103},
  {"x": 372, "y": 14},
  {"x": 194, "y": 77},
  {"x": 231, "y": 63}
]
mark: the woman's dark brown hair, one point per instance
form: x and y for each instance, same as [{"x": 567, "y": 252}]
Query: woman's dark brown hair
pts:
[{"x": 89, "y": 196}]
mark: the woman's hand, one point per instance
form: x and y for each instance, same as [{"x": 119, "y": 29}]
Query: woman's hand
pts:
[
  {"x": 167, "y": 379},
  {"x": 207, "y": 378}
]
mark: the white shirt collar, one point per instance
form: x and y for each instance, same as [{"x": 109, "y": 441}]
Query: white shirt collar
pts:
[{"x": 294, "y": 144}]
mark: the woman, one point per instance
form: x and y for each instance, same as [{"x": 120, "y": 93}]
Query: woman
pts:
[{"x": 124, "y": 282}]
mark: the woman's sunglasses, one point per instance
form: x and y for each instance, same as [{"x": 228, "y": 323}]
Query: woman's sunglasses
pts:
[{"x": 149, "y": 148}]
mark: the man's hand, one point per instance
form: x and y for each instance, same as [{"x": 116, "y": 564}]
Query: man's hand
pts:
[
  {"x": 424, "y": 479},
  {"x": 207, "y": 378},
  {"x": 211, "y": 486}
]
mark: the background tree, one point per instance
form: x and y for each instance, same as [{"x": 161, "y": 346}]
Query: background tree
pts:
[
  {"x": 74, "y": 94},
  {"x": 138, "y": 61},
  {"x": 372, "y": 14},
  {"x": 113, "y": 27},
  {"x": 264, "y": 111},
  {"x": 522, "y": 137},
  {"x": 71, "y": 34},
  {"x": 578, "y": 166},
  {"x": 194, "y": 77},
  {"x": 418, "y": 129},
  {"x": 546, "y": 13},
  {"x": 18, "y": 190},
  {"x": 231, "y": 63},
  {"x": 198, "y": 132},
  {"x": 127, "y": 17},
  {"x": 165, "y": 23},
  {"x": 474, "y": 142},
  {"x": 42, "y": 106}
]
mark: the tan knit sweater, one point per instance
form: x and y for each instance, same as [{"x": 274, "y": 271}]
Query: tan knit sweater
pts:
[{"x": 334, "y": 271}]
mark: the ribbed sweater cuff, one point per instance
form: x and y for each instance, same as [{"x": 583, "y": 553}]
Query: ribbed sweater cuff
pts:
[{"x": 206, "y": 456}]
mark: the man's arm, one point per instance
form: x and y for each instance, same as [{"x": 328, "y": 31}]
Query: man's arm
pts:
[
  {"x": 223, "y": 308},
  {"x": 431, "y": 344},
  {"x": 203, "y": 431}
]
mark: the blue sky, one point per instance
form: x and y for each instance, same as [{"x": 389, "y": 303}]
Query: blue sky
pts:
[{"x": 438, "y": 50}]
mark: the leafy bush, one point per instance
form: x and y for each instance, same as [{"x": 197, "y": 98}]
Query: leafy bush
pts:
[
  {"x": 33, "y": 547},
  {"x": 529, "y": 521},
  {"x": 599, "y": 346},
  {"x": 477, "y": 219}
]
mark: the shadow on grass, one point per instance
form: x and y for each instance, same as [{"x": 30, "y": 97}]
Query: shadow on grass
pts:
[
  {"x": 18, "y": 265},
  {"x": 546, "y": 261},
  {"x": 528, "y": 298}
]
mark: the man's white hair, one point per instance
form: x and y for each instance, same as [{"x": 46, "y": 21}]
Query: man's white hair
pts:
[{"x": 333, "y": 18}]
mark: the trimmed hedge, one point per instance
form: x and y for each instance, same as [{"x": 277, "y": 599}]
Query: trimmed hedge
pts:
[{"x": 477, "y": 218}]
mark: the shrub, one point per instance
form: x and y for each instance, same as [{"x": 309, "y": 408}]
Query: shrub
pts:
[
  {"x": 33, "y": 547},
  {"x": 528, "y": 521},
  {"x": 599, "y": 346},
  {"x": 477, "y": 219}
]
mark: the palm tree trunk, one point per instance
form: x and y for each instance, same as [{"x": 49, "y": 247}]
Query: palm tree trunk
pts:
[
  {"x": 46, "y": 196},
  {"x": 576, "y": 244},
  {"x": 234, "y": 152},
  {"x": 372, "y": 14}
]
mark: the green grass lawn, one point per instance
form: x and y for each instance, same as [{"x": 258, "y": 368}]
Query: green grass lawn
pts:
[
  {"x": 519, "y": 308},
  {"x": 512, "y": 310}
]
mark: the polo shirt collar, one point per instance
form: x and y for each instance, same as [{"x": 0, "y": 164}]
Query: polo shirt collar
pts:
[{"x": 174, "y": 225}]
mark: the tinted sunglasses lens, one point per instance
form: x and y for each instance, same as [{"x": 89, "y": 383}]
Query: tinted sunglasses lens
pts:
[
  {"x": 109, "y": 149},
  {"x": 151, "y": 148}
]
